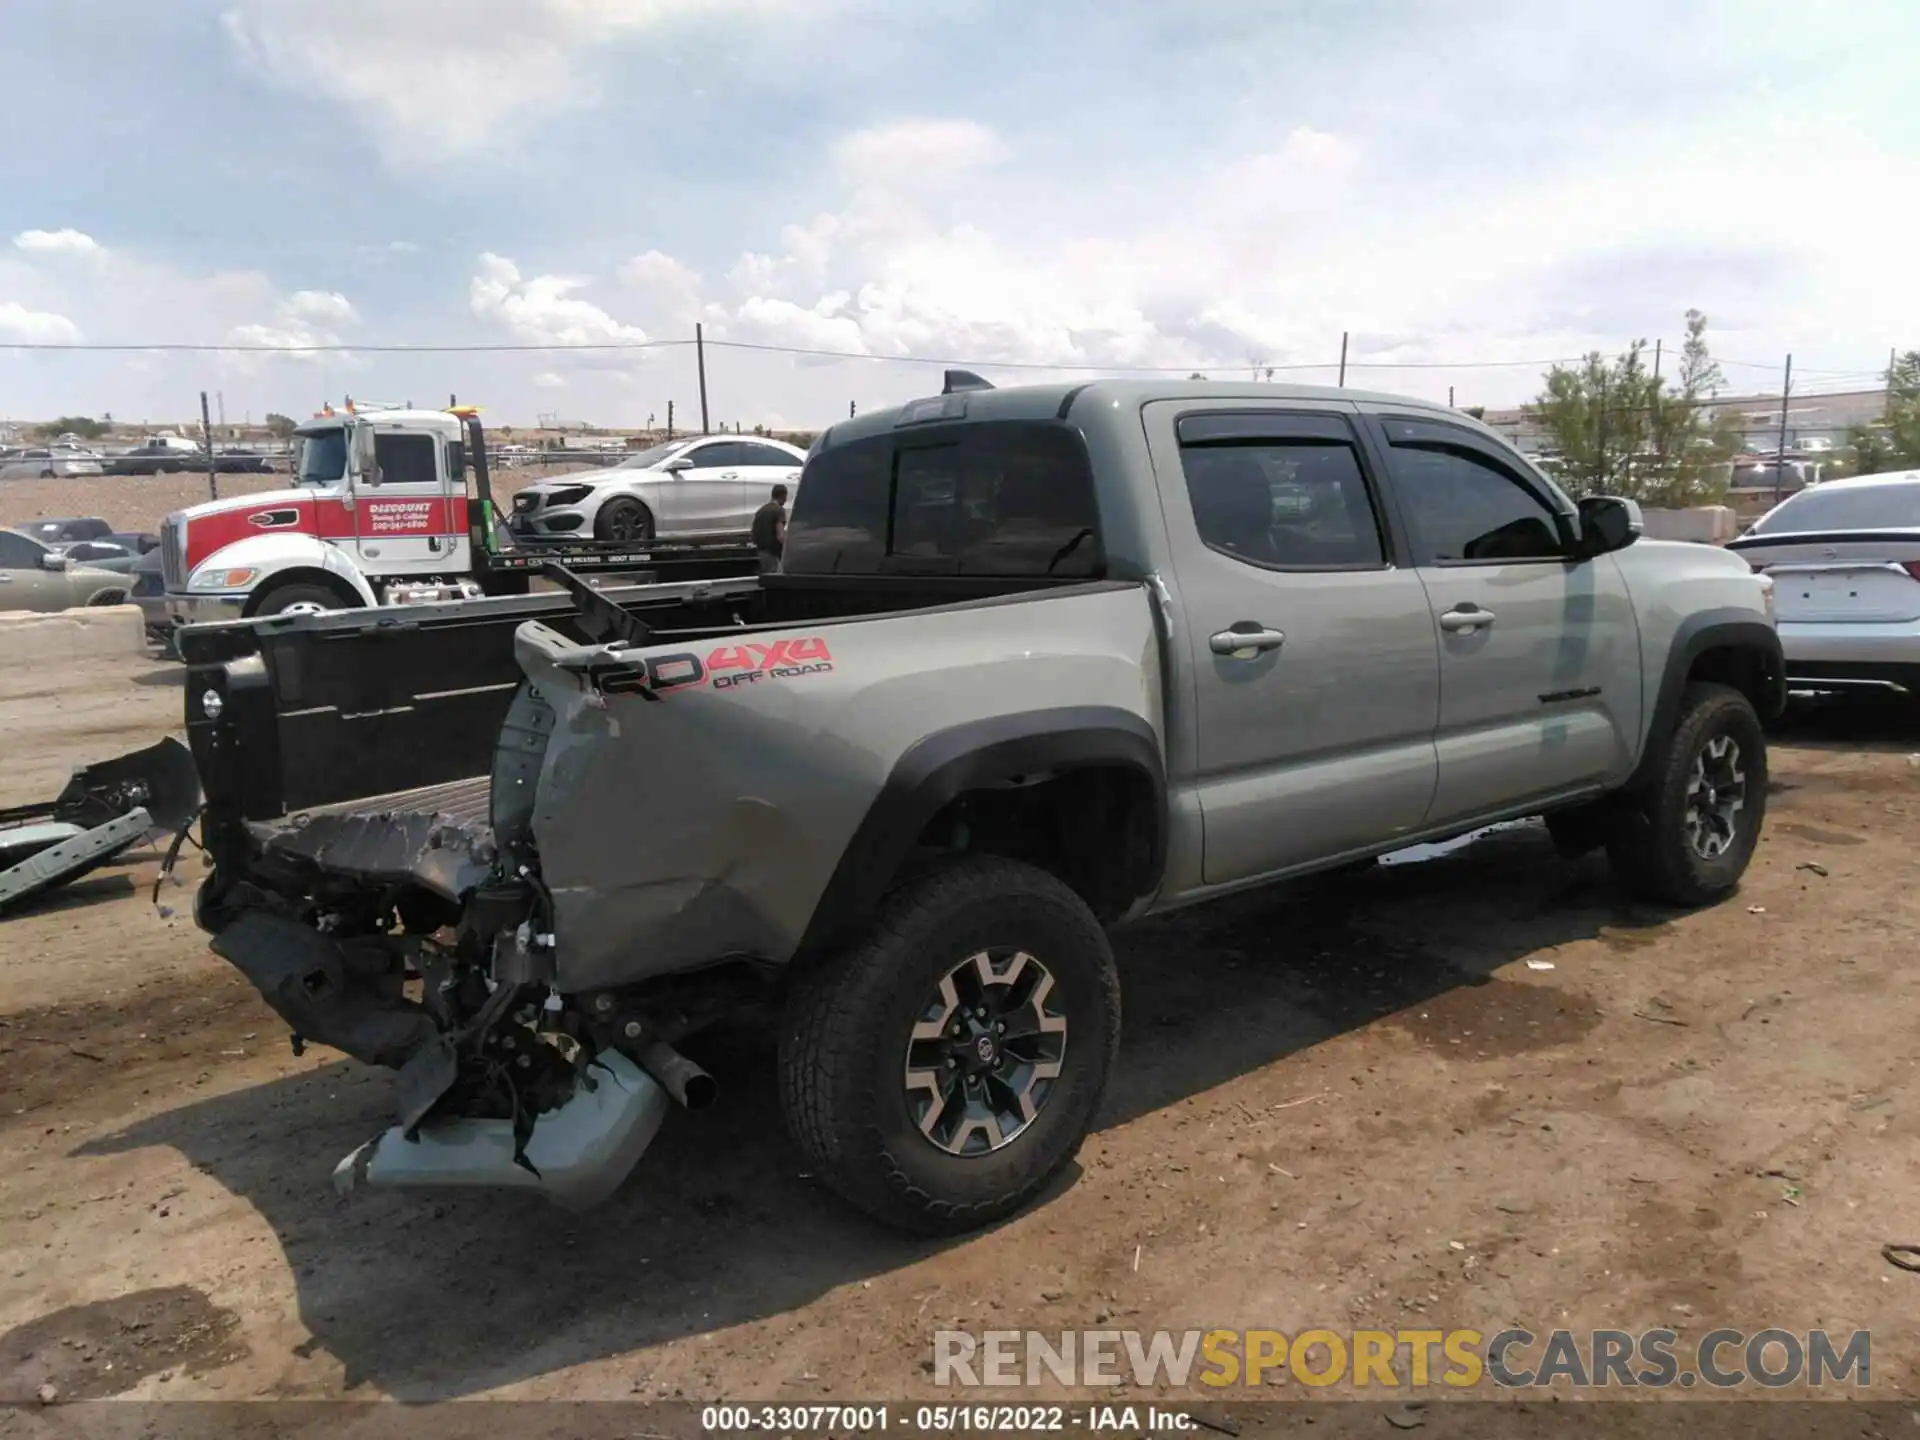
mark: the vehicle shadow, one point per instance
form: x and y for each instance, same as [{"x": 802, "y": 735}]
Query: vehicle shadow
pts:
[
  {"x": 1889, "y": 724},
  {"x": 167, "y": 677},
  {"x": 438, "y": 1296}
]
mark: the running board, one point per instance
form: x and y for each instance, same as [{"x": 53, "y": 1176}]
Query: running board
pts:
[{"x": 68, "y": 859}]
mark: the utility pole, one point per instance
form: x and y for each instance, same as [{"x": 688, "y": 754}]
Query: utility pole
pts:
[
  {"x": 206, "y": 435},
  {"x": 220, "y": 403},
  {"x": 1780, "y": 459},
  {"x": 1893, "y": 358},
  {"x": 1656, "y": 364},
  {"x": 1343, "y": 359},
  {"x": 1450, "y": 404},
  {"x": 669, "y": 419},
  {"x": 700, "y": 357},
  {"x": 852, "y": 408},
  {"x": 1600, "y": 446}
]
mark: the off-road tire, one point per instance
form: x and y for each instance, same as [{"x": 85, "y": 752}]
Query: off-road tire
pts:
[
  {"x": 605, "y": 522},
  {"x": 843, "y": 1045},
  {"x": 284, "y": 597},
  {"x": 1648, "y": 843}
]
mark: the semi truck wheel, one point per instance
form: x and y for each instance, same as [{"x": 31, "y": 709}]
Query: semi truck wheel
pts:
[
  {"x": 1687, "y": 839},
  {"x": 624, "y": 519},
  {"x": 942, "y": 1070},
  {"x": 299, "y": 600}
]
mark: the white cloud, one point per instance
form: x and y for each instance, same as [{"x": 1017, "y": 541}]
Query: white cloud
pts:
[
  {"x": 549, "y": 380},
  {"x": 425, "y": 88},
  {"x": 543, "y": 309},
  {"x": 301, "y": 322},
  {"x": 667, "y": 291},
  {"x": 904, "y": 152},
  {"x": 35, "y": 327},
  {"x": 57, "y": 242}
]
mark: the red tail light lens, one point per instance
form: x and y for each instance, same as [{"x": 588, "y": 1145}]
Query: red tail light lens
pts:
[{"x": 1912, "y": 567}]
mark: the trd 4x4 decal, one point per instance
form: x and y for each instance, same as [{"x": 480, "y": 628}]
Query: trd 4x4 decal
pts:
[{"x": 724, "y": 668}]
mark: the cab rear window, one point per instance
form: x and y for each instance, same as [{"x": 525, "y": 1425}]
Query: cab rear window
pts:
[{"x": 1012, "y": 499}]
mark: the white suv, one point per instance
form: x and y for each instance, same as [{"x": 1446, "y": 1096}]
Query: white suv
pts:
[{"x": 703, "y": 487}]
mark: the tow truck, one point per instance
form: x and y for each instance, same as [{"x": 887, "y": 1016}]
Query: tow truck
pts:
[{"x": 388, "y": 506}]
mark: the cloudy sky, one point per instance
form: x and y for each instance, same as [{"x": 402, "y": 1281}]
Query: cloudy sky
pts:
[{"x": 1480, "y": 184}]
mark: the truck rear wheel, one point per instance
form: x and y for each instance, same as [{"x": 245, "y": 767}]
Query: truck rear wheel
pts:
[
  {"x": 1687, "y": 838},
  {"x": 299, "y": 600},
  {"x": 624, "y": 519},
  {"x": 940, "y": 1072}
]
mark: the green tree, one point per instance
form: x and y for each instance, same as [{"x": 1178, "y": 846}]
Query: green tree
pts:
[
  {"x": 1621, "y": 430},
  {"x": 1893, "y": 442},
  {"x": 281, "y": 427},
  {"x": 1691, "y": 442},
  {"x": 1196, "y": 375},
  {"x": 81, "y": 425}
]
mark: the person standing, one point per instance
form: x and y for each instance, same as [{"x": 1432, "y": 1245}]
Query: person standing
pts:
[{"x": 770, "y": 530}]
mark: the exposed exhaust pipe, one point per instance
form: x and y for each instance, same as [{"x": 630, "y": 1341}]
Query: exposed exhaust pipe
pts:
[{"x": 685, "y": 1081}]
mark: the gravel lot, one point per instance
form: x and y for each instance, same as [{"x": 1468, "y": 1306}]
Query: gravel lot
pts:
[{"x": 1345, "y": 1104}]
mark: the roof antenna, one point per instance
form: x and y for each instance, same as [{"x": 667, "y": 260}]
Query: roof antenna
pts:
[{"x": 964, "y": 380}]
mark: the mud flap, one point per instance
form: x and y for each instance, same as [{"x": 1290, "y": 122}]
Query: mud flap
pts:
[{"x": 577, "y": 1155}]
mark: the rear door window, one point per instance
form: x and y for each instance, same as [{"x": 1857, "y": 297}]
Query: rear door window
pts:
[{"x": 1294, "y": 498}]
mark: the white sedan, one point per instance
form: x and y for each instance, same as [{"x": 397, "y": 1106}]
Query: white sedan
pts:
[
  {"x": 1844, "y": 557},
  {"x": 703, "y": 487}
]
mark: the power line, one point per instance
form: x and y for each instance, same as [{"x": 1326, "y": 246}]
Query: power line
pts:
[
  {"x": 590, "y": 347},
  {"x": 814, "y": 352},
  {"x": 173, "y": 348}
]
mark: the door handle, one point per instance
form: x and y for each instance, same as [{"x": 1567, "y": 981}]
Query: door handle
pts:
[
  {"x": 1240, "y": 643},
  {"x": 1465, "y": 618},
  {"x": 729, "y": 475}
]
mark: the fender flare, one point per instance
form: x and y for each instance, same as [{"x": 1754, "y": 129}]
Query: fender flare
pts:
[
  {"x": 1729, "y": 628},
  {"x": 940, "y": 766},
  {"x": 274, "y": 554}
]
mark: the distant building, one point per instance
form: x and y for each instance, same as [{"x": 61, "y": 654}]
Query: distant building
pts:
[{"x": 1817, "y": 424}]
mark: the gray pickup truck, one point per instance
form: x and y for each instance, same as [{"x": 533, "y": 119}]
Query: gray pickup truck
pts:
[{"x": 1039, "y": 661}]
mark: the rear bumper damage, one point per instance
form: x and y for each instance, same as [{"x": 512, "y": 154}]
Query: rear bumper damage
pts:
[
  {"x": 500, "y": 1082},
  {"x": 577, "y": 1155}
]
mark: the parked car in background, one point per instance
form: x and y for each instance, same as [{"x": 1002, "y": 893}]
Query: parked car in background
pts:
[
  {"x": 65, "y": 530},
  {"x": 159, "y": 456},
  {"x": 149, "y": 576},
  {"x": 239, "y": 462},
  {"x": 34, "y": 577},
  {"x": 708, "y": 485},
  {"x": 101, "y": 555},
  {"x": 50, "y": 464},
  {"x": 1844, "y": 557}
]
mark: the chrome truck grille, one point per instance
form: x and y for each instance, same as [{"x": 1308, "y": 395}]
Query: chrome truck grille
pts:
[{"x": 173, "y": 552}]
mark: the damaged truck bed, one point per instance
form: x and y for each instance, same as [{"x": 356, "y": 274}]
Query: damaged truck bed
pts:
[{"x": 1038, "y": 661}]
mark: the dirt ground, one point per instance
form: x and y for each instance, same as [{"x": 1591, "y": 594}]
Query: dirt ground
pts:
[
  {"x": 1479, "y": 1090},
  {"x": 141, "y": 502}
]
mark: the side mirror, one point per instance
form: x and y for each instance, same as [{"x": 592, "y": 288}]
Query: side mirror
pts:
[
  {"x": 1608, "y": 523},
  {"x": 678, "y": 464},
  {"x": 51, "y": 561},
  {"x": 365, "y": 462}
]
